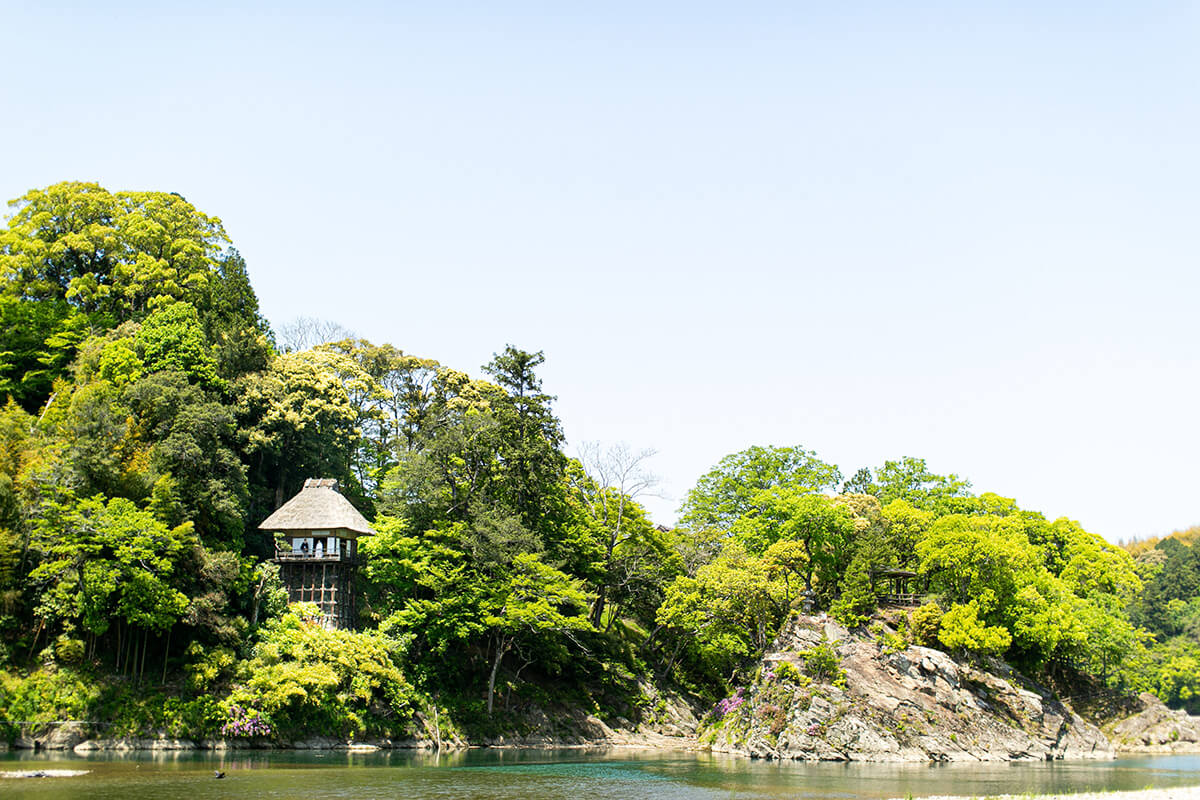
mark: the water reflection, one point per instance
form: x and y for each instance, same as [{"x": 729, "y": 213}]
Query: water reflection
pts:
[{"x": 555, "y": 775}]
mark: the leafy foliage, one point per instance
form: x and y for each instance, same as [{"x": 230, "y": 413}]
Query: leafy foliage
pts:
[{"x": 149, "y": 425}]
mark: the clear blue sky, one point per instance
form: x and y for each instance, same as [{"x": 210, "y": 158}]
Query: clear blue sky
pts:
[{"x": 966, "y": 232}]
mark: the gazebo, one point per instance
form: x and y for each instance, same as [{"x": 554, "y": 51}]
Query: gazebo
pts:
[
  {"x": 900, "y": 583},
  {"x": 316, "y": 548}
]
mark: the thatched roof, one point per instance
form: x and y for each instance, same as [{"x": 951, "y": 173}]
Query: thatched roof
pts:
[{"x": 318, "y": 507}]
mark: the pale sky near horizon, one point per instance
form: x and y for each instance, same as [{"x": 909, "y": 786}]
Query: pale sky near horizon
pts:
[{"x": 964, "y": 232}]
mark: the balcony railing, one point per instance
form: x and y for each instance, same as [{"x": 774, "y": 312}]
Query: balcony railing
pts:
[{"x": 292, "y": 555}]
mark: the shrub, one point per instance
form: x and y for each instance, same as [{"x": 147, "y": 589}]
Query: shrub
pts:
[
  {"x": 925, "y": 622},
  {"x": 729, "y": 704},
  {"x": 963, "y": 630},
  {"x": 786, "y": 672},
  {"x": 45, "y": 696},
  {"x": 776, "y": 717},
  {"x": 305, "y": 679},
  {"x": 822, "y": 663},
  {"x": 69, "y": 650}
]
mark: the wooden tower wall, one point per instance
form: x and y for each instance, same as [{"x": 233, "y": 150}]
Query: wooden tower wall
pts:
[{"x": 329, "y": 584}]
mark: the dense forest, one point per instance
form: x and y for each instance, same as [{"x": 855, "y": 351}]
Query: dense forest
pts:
[{"x": 152, "y": 419}]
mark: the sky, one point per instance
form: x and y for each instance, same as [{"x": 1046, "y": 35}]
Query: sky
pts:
[{"x": 961, "y": 232}]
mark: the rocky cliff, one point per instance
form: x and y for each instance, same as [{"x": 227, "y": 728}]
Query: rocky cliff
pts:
[
  {"x": 827, "y": 694},
  {"x": 1154, "y": 728}
]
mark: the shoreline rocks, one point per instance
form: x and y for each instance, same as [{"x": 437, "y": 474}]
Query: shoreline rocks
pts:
[
  {"x": 1157, "y": 729},
  {"x": 913, "y": 704}
]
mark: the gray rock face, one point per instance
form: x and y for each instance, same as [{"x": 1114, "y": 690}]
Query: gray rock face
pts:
[
  {"x": 915, "y": 704},
  {"x": 1157, "y": 729}
]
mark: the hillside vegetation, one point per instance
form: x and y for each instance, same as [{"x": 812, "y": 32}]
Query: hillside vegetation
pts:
[{"x": 151, "y": 420}]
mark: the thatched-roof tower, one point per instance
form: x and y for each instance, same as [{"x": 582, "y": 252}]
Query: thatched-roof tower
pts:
[
  {"x": 316, "y": 547},
  {"x": 318, "y": 507}
]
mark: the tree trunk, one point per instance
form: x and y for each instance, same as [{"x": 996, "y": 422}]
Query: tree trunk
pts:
[
  {"x": 502, "y": 647},
  {"x": 598, "y": 607},
  {"x": 36, "y": 634},
  {"x": 142, "y": 664},
  {"x": 166, "y": 653}
]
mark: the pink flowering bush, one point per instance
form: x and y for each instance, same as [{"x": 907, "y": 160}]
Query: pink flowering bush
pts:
[
  {"x": 245, "y": 722},
  {"x": 730, "y": 704}
]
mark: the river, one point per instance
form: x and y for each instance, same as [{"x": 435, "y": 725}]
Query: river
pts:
[{"x": 556, "y": 775}]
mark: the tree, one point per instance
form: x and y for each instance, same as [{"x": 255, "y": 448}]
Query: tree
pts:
[
  {"x": 305, "y": 333},
  {"x": 607, "y": 489},
  {"x": 532, "y": 438},
  {"x": 822, "y": 527},
  {"x": 194, "y": 456},
  {"x": 910, "y": 480},
  {"x": 533, "y": 601},
  {"x": 299, "y": 421},
  {"x": 303, "y": 677},
  {"x": 172, "y": 338},
  {"x": 76, "y": 259},
  {"x": 105, "y": 560},
  {"x": 727, "y": 492},
  {"x": 727, "y": 613},
  {"x": 238, "y": 334},
  {"x": 396, "y": 409}
]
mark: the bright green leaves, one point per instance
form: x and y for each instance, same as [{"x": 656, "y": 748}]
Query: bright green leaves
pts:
[
  {"x": 997, "y": 580},
  {"x": 299, "y": 420},
  {"x": 729, "y": 611},
  {"x": 727, "y": 492},
  {"x": 104, "y": 560},
  {"x": 967, "y": 555},
  {"x": 172, "y": 338},
  {"x": 536, "y": 599},
  {"x": 76, "y": 259},
  {"x": 108, "y": 252},
  {"x": 911, "y": 481},
  {"x": 963, "y": 630},
  {"x": 304, "y": 678}
]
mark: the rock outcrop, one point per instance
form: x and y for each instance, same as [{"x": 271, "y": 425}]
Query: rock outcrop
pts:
[
  {"x": 1154, "y": 728},
  {"x": 874, "y": 703}
]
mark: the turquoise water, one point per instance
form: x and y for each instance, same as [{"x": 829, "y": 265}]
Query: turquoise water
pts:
[{"x": 557, "y": 775}]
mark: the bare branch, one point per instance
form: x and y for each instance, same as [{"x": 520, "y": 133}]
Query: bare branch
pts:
[{"x": 304, "y": 333}]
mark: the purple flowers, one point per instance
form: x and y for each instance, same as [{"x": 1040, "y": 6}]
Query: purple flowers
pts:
[
  {"x": 813, "y": 730},
  {"x": 245, "y": 722},
  {"x": 729, "y": 704}
]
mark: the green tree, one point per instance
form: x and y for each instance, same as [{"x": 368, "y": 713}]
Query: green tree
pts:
[
  {"x": 535, "y": 601},
  {"x": 822, "y": 527},
  {"x": 76, "y": 259},
  {"x": 396, "y": 412},
  {"x": 728, "y": 491},
  {"x": 238, "y": 334},
  {"x": 725, "y": 615},
  {"x": 530, "y": 482},
  {"x": 172, "y": 338},
  {"x": 107, "y": 560},
  {"x": 909, "y": 479},
  {"x": 303, "y": 677},
  {"x": 299, "y": 421}
]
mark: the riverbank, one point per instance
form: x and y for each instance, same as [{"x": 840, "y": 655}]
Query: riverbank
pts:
[
  {"x": 81, "y": 739},
  {"x": 1174, "y": 793}
]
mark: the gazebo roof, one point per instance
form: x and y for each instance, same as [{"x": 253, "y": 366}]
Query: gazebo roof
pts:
[{"x": 318, "y": 507}]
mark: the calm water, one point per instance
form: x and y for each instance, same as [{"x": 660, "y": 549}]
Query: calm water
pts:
[{"x": 557, "y": 775}]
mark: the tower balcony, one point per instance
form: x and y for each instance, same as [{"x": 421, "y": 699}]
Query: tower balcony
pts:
[{"x": 291, "y": 556}]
